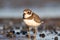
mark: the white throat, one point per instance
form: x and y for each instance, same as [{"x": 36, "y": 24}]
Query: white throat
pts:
[{"x": 26, "y": 16}]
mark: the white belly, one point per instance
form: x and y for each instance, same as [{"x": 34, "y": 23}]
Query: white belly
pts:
[{"x": 31, "y": 22}]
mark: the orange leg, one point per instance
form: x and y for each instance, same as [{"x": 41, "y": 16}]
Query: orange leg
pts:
[
  {"x": 35, "y": 32},
  {"x": 28, "y": 29}
]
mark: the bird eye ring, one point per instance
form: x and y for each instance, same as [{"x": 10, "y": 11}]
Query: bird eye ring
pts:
[{"x": 29, "y": 12}]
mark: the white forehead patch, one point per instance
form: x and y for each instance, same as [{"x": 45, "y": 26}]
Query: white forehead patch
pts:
[{"x": 25, "y": 12}]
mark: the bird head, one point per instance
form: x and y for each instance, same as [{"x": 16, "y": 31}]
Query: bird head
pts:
[{"x": 27, "y": 13}]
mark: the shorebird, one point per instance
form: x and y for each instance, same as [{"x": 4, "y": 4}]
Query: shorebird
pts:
[{"x": 31, "y": 20}]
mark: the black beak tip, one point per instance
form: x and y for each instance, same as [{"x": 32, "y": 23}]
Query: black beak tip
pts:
[{"x": 23, "y": 16}]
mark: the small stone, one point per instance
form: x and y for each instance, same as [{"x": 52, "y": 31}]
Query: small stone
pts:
[
  {"x": 58, "y": 34},
  {"x": 42, "y": 35},
  {"x": 18, "y": 33},
  {"x": 56, "y": 38},
  {"x": 27, "y": 36},
  {"x": 32, "y": 37}
]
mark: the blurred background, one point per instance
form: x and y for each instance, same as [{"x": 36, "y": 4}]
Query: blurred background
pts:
[
  {"x": 11, "y": 13},
  {"x": 44, "y": 8},
  {"x": 48, "y": 10}
]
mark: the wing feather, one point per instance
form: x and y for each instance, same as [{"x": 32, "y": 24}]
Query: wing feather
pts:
[{"x": 36, "y": 18}]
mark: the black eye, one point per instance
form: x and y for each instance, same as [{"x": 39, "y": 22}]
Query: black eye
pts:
[{"x": 29, "y": 12}]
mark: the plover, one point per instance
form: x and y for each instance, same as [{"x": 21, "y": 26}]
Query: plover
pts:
[{"x": 31, "y": 20}]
